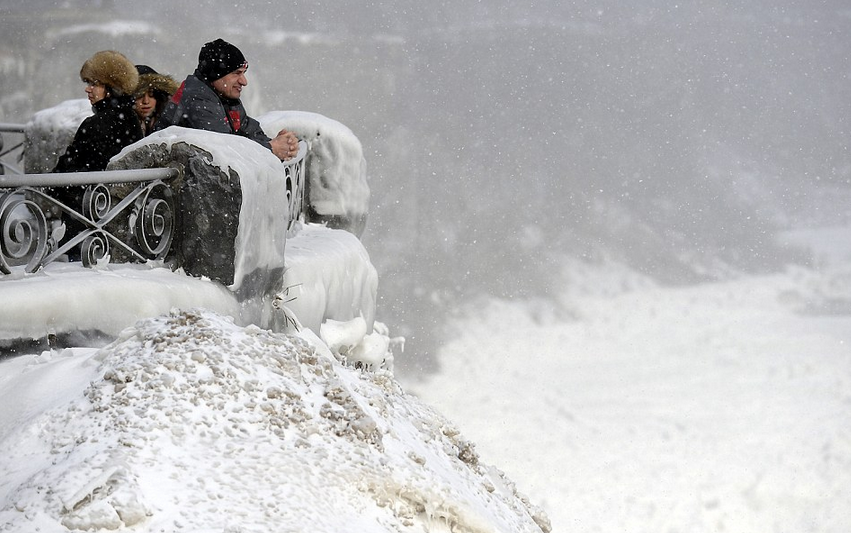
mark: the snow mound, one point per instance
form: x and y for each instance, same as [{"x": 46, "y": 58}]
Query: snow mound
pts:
[{"x": 191, "y": 423}]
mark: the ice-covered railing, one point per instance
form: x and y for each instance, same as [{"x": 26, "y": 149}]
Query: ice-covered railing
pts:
[
  {"x": 33, "y": 220},
  {"x": 294, "y": 175},
  {"x": 128, "y": 214}
]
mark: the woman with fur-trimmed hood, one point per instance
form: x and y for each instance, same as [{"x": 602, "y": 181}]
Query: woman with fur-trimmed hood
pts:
[
  {"x": 110, "y": 80},
  {"x": 152, "y": 94}
]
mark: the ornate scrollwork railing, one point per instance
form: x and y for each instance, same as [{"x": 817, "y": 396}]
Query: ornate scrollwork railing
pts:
[
  {"x": 134, "y": 221},
  {"x": 294, "y": 172}
]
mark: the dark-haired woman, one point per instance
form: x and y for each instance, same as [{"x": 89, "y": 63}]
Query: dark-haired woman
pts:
[{"x": 152, "y": 94}]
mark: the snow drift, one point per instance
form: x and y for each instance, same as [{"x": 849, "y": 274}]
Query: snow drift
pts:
[{"x": 189, "y": 422}]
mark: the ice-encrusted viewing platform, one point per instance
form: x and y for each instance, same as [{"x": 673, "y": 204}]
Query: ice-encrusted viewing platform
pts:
[{"x": 183, "y": 218}]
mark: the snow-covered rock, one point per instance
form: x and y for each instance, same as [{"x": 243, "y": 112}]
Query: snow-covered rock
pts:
[
  {"x": 337, "y": 187},
  {"x": 231, "y": 200},
  {"x": 189, "y": 422},
  {"x": 50, "y": 131}
]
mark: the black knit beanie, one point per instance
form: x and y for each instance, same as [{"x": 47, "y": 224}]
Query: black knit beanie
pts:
[
  {"x": 145, "y": 69},
  {"x": 218, "y": 58}
]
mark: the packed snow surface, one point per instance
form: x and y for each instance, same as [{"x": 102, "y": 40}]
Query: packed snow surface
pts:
[{"x": 188, "y": 422}]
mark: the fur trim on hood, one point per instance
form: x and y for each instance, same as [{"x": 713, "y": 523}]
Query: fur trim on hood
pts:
[
  {"x": 155, "y": 82},
  {"x": 112, "y": 69}
]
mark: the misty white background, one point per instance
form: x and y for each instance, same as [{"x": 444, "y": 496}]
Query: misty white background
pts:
[{"x": 515, "y": 146}]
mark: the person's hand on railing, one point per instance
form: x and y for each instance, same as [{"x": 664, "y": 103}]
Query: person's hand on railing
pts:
[{"x": 285, "y": 145}]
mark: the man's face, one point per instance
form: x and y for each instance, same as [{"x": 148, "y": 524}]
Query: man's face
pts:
[{"x": 230, "y": 85}]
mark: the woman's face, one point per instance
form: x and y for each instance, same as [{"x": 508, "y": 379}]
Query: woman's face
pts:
[
  {"x": 145, "y": 105},
  {"x": 96, "y": 91}
]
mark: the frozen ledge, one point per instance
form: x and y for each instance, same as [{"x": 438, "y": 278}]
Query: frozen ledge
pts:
[{"x": 328, "y": 276}]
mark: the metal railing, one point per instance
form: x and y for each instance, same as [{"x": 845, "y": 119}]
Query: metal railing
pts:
[
  {"x": 294, "y": 173},
  {"x": 35, "y": 215}
]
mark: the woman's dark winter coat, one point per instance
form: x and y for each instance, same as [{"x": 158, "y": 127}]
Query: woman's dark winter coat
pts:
[{"x": 102, "y": 135}]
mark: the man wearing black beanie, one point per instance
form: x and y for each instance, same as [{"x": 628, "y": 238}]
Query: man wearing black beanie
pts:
[{"x": 209, "y": 99}]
